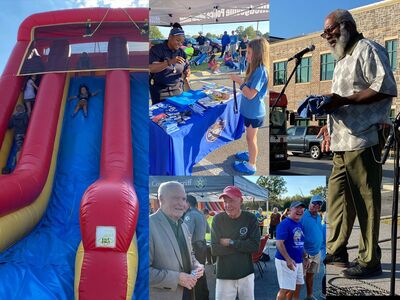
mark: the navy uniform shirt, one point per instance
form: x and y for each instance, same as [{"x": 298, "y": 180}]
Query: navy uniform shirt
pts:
[{"x": 167, "y": 77}]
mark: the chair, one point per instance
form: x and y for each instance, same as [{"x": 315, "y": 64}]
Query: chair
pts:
[{"x": 256, "y": 256}]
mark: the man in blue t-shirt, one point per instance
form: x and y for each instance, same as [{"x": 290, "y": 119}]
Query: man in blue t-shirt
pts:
[
  {"x": 312, "y": 228},
  {"x": 290, "y": 254}
]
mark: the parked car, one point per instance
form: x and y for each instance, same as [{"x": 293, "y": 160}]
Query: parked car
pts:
[
  {"x": 190, "y": 40},
  {"x": 154, "y": 42},
  {"x": 303, "y": 139},
  {"x": 215, "y": 44}
]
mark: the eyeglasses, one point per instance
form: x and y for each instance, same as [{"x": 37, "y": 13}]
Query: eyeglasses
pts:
[{"x": 329, "y": 30}]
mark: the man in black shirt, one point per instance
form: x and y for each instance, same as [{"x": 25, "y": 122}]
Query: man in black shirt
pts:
[
  {"x": 234, "y": 237},
  {"x": 201, "y": 39},
  {"x": 169, "y": 70}
]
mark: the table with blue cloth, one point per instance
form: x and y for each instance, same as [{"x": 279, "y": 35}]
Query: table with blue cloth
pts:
[{"x": 177, "y": 152}]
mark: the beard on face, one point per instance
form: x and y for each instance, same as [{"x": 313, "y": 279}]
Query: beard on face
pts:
[{"x": 338, "y": 51}]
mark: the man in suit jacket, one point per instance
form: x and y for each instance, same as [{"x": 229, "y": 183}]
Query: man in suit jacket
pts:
[{"x": 173, "y": 268}]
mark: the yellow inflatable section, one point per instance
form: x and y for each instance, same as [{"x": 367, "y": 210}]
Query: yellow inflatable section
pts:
[{"x": 132, "y": 263}]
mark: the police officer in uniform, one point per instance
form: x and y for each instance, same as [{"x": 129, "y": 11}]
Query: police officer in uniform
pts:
[{"x": 169, "y": 69}]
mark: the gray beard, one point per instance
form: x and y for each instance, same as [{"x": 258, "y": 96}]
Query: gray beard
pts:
[{"x": 338, "y": 51}]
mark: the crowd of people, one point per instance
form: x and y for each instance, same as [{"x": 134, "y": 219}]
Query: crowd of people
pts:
[{"x": 228, "y": 239}]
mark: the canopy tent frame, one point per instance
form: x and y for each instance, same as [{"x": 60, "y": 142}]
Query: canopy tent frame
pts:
[{"x": 208, "y": 12}]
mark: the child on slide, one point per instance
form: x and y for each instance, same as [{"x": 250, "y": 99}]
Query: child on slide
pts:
[
  {"x": 83, "y": 96},
  {"x": 30, "y": 90},
  {"x": 252, "y": 106}
]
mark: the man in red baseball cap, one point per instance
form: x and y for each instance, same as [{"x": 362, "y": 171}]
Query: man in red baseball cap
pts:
[{"x": 234, "y": 237}]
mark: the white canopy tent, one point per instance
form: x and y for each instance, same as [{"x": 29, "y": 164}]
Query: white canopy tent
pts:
[{"x": 195, "y": 12}]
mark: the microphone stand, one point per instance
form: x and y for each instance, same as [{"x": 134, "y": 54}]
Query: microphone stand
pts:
[
  {"x": 298, "y": 61},
  {"x": 394, "y": 142}
]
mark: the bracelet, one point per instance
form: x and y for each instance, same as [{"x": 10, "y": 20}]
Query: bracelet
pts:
[{"x": 242, "y": 86}]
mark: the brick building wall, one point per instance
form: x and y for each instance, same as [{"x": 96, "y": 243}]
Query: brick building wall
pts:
[{"x": 379, "y": 22}]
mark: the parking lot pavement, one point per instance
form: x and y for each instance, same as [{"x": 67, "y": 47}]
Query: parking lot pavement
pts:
[{"x": 378, "y": 286}]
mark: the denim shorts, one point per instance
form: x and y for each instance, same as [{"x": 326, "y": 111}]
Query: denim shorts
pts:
[{"x": 255, "y": 123}]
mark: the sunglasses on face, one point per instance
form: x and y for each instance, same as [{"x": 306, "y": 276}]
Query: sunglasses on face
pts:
[
  {"x": 317, "y": 203},
  {"x": 329, "y": 30}
]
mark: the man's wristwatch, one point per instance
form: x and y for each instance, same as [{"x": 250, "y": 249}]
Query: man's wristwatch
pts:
[{"x": 231, "y": 243}]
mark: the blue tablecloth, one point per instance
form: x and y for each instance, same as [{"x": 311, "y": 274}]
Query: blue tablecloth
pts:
[{"x": 178, "y": 152}]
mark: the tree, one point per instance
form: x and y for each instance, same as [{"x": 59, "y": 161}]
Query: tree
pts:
[
  {"x": 210, "y": 35},
  {"x": 250, "y": 32},
  {"x": 320, "y": 190},
  {"x": 155, "y": 33},
  {"x": 240, "y": 31},
  {"x": 275, "y": 185}
]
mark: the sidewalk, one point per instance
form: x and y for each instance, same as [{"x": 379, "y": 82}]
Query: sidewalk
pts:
[{"x": 377, "y": 286}]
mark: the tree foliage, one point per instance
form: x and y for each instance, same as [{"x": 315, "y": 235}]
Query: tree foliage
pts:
[
  {"x": 319, "y": 190},
  {"x": 275, "y": 185},
  {"x": 155, "y": 33}
]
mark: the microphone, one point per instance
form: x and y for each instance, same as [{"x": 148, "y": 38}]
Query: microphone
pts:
[{"x": 302, "y": 52}]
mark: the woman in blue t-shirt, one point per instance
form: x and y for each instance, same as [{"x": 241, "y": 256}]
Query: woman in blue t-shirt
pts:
[{"x": 252, "y": 106}]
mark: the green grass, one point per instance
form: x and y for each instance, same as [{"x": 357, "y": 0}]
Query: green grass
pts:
[{"x": 200, "y": 68}]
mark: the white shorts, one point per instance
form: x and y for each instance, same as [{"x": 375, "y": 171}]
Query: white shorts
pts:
[
  {"x": 287, "y": 278},
  {"x": 228, "y": 289}
]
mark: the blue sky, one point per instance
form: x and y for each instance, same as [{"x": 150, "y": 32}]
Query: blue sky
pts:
[
  {"x": 13, "y": 12},
  {"x": 290, "y": 18},
  {"x": 298, "y": 185}
]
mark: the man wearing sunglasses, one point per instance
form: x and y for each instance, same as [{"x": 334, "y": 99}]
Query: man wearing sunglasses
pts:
[
  {"x": 313, "y": 236},
  {"x": 362, "y": 89}
]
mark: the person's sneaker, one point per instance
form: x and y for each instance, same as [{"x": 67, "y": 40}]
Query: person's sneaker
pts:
[
  {"x": 360, "y": 272},
  {"x": 337, "y": 260},
  {"x": 244, "y": 167},
  {"x": 353, "y": 263},
  {"x": 242, "y": 155}
]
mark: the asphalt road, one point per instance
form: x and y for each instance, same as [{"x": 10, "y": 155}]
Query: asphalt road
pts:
[{"x": 304, "y": 165}]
